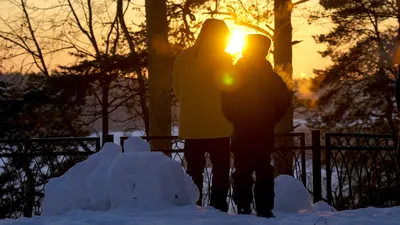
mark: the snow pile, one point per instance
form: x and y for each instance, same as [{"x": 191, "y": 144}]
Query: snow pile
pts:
[
  {"x": 291, "y": 195},
  {"x": 322, "y": 207},
  {"x": 111, "y": 179}
]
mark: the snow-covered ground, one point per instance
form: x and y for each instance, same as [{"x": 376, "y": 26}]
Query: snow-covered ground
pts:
[
  {"x": 193, "y": 215},
  {"x": 140, "y": 187}
]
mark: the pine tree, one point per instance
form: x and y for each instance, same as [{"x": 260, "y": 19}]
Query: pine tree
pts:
[{"x": 356, "y": 91}]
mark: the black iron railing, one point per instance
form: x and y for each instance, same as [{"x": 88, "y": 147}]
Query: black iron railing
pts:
[
  {"x": 362, "y": 170},
  {"x": 27, "y": 165},
  {"x": 350, "y": 171}
]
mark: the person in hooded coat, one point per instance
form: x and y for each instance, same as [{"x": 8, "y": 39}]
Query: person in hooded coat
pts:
[
  {"x": 197, "y": 82},
  {"x": 254, "y": 102}
]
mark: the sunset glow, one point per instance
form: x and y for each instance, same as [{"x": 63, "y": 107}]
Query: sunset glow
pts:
[
  {"x": 236, "y": 43},
  {"x": 303, "y": 75}
]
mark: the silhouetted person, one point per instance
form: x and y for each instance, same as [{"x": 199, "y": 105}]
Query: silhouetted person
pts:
[
  {"x": 254, "y": 103},
  {"x": 397, "y": 97},
  {"x": 197, "y": 82}
]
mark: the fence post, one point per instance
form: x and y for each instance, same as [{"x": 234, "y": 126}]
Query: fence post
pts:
[
  {"x": 122, "y": 142},
  {"x": 98, "y": 145},
  {"x": 303, "y": 160},
  {"x": 328, "y": 170},
  {"x": 29, "y": 184},
  {"x": 108, "y": 138},
  {"x": 316, "y": 158}
]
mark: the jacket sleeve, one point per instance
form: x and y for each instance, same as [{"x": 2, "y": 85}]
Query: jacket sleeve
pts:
[
  {"x": 229, "y": 86},
  {"x": 175, "y": 78},
  {"x": 224, "y": 73},
  {"x": 227, "y": 105},
  {"x": 283, "y": 98}
]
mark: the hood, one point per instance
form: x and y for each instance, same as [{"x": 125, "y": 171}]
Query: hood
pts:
[
  {"x": 254, "y": 64},
  {"x": 214, "y": 35},
  {"x": 256, "y": 45}
]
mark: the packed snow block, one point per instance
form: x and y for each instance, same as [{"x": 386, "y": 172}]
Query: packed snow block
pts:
[
  {"x": 178, "y": 192},
  {"x": 136, "y": 144},
  {"x": 291, "y": 195},
  {"x": 322, "y": 206},
  {"x": 148, "y": 179},
  {"x": 57, "y": 197},
  {"x": 71, "y": 190},
  {"x": 111, "y": 179},
  {"x": 80, "y": 174},
  {"x": 68, "y": 192},
  {"x": 192, "y": 189},
  {"x": 106, "y": 154},
  {"x": 96, "y": 187}
]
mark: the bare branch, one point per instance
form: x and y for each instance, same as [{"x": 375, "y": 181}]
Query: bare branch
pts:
[
  {"x": 90, "y": 24},
  {"x": 43, "y": 67},
  {"x": 300, "y": 2},
  {"x": 83, "y": 30},
  {"x": 121, "y": 19},
  {"x": 111, "y": 31},
  {"x": 26, "y": 48},
  {"x": 142, "y": 86},
  {"x": 257, "y": 28}
]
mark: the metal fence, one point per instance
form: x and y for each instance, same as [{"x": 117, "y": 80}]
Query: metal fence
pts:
[
  {"x": 27, "y": 165},
  {"x": 349, "y": 171},
  {"x": 362, "y": 170}
]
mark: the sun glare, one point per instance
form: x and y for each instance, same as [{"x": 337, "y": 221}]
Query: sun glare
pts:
[
  {"x": 236, "y": 43},
  {"x": 303, "y": 75}
]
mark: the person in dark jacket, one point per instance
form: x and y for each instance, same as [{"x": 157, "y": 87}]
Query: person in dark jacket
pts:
[
  {"x": 397, "y": 97},
  {"x": 254, "y": 101}
]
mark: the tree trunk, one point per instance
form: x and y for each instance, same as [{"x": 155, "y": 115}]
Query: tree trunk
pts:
[
  {"x": 137, "y": 69},
  {"x": 159, "y": 68},
  {"x": 104, "y": 108},
  {"x": 283, "y": 65}
]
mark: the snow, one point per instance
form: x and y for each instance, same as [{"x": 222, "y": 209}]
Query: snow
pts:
[
  {"x": 291, "y": 195},
  {"x": 322, "y": 207},
  {"x": 140, "y": 187},
  {"x": 194, "y": 215},
  {"x": 136, "y": 179}
]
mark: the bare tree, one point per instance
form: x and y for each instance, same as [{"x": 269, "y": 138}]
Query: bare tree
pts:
[
  {"x": 137, "y": 69},
  {"x": 22, "y": 37},
  {"x": 91, "y": 32}
]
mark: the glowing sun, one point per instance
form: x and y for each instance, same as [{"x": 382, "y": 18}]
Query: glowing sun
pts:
[{"x": 236, "y": 43}]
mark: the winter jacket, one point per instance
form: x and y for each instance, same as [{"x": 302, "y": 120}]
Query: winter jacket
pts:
[
  {"x": 257, "y": 99},
  {"x": 197, "y": 81}
]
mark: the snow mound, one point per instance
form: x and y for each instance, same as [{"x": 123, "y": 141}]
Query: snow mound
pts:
[
  {"x": 136, "y": 144},
  {"x": 291, "y": 195},
  {"x": 111, "y": 179},
  {"x": 322, "y": 206}
]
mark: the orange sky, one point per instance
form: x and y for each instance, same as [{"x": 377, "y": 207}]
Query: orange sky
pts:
[{"x": 305, "y": 54}]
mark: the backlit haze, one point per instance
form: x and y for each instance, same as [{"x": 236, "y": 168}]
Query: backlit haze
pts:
[{"x": 305, "y": 54}]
